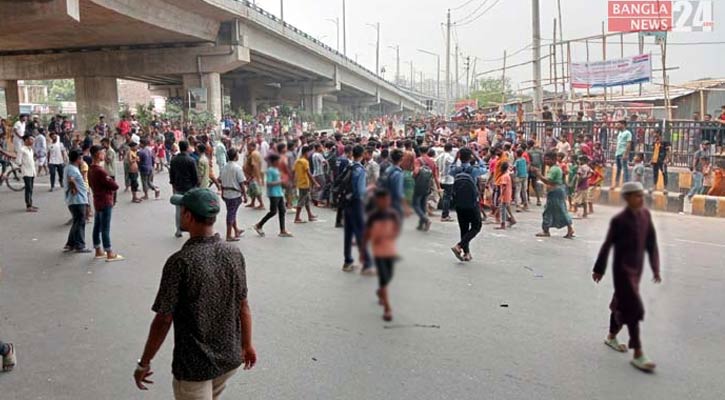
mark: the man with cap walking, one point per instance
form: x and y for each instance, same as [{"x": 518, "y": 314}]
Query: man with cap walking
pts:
[
  {"x": 203, "y": 292},
  {"x": 631, "y": 233}
]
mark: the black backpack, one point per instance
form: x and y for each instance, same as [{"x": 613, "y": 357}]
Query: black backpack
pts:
[
  {"x": 342, "y": 186},
  {"x": 465, "y": 190},
  {"x": 422, "y": 180}
]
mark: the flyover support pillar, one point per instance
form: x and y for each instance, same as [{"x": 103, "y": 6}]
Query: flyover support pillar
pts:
[
  {"x": 12, "y": 97},
  {"x": 96, "y": 96},
  {"x": 209, "y": 85}
]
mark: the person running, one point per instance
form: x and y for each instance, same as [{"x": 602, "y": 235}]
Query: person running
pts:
[
  {"x": 104, "y": 188},
  {"x": 465, "y": 195},
  {"x": 276, "y": 198},
  {"x": 203, "y": 294},
  {"x": 146, "y": 170},
  {"x": 76, "y": 198},
  {"x": 555, "y": 211},
  {"x": 631, "y": 234},
  {"x": 354, "y": 213},
  {"x": 304, "y": 182},
  {"x": 183, "y": 177},
  {"x": 57, "y": 157},
  {"x": 26, "y": 161},
  {"x": 381, "y": 232},
  {"x": 233, "y": 193},
  {"x": 132, "y": 162}
]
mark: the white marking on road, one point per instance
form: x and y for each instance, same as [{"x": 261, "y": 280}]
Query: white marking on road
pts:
[{"x": 703, "y": 243}]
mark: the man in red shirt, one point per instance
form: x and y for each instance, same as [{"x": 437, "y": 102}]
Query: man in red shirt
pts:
[
  {"x": 103, "y": 187},
  {"x": 124, "y": 127}
]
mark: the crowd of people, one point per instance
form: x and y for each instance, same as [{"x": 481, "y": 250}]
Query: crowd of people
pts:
[{"x": 374, "y": 177}]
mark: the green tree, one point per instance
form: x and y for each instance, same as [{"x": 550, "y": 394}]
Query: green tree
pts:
[
  {"x": 488, "y": 91},
  {"x": 59, "y": 90}
]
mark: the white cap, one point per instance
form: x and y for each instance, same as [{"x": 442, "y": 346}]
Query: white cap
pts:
[{"x": 632, "y": 187}]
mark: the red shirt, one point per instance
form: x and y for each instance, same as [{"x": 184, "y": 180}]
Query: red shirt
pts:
[{"x": 103, "y": 187}]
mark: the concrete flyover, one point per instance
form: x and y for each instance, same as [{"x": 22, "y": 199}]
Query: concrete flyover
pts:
[{"x": 180, "y": 46}]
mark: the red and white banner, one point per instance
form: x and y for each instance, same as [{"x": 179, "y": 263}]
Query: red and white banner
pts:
[
  {"x": 461, "y": 104},
  {"x": 660, "y": 15}
]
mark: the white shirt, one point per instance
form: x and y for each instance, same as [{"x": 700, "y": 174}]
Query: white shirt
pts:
[
  {"x": 232, "y": 177},
  {"x": 136, "y": 139},
  {"x": 41, "y": 147},
  {"x": 55, "y": 153},
  {"x": 444, "y": 163},
  {"x": 26, "y": 160},
  {"x": 18, "y": 129}
]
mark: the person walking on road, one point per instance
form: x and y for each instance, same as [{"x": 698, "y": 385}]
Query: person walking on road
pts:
[
  {"x": 275, "y": 192},
  {"x": 57, "y": 158},
  {"x": 26, "y": 161},
  {"x": 233, "y": 193},
  {"x": 76, "y": 198},
  {"x": 104, "y": 188},
  {"x": 203, "y": 293},
  {"x": 354, "y": 213},
  {"x": 465, "y": 195},
  {"x": 621, "y": 153},
  {"x": 183, "y": 177},
  {"x": 303, "y": 181},
  {"x": 632, "y": 234},
  {"x": 146, "y": 170},
  {"x": 555, "y": 214}
]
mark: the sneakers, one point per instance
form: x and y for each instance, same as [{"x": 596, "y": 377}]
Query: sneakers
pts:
[
  {"x": 259, "y": 230},
  {"x": 348, "y": 267}
]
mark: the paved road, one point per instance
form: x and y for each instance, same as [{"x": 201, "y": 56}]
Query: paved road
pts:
[{"x": 80, "y": 325}]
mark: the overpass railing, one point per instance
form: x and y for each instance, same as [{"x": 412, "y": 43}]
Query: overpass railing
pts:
[{"x": 316, "y": 41}]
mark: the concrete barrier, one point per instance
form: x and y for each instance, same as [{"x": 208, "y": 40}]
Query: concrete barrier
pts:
[
  {"x": 658, "y": 201},
  {"x": 708, "y": 206}
]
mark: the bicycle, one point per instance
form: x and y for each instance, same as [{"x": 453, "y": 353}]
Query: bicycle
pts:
[{"x": 13, "y": 177}]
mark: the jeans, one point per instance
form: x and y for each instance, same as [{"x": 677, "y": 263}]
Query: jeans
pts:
[
  {"x": 447, "y": 198},
  {"x": 354, "y": 225},
  {"x": 621, "y": 165},
  {"x": 420, "y": 207},
  {"x": 28, "y": 180},
  {"x": 469, "y": 222},
  {"x": 147, "y": 182},
  {"x": 77, "y": 234},
  {"x": 520, "y": 196},
  {"x": 697, "y": 187},
  {"x": 276, "y": 207},
  {"x": 656, "y": 169},
  {"x": 177, "y": 215},
  {"x": 534, "y": 183},
  {"x": 53, "y": 168},
  {"x": 102, "y": 229}
]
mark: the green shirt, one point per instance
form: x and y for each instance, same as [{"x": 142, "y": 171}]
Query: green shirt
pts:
[
  {"x": 202, "y": 170},
  {"x": 622, "y": 139},
  {"x": 555, "y": 175}
]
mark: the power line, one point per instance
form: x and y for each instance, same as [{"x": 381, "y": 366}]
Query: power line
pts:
[
  {"x": 473, "y": 17},
  {"x": 463, "y": 5},
  {"x": 509, "y": 66},
  {"x": 477, "y": 9}
]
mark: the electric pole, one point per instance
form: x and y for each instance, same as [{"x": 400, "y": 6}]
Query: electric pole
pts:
[
  {"x": 281, "y": 10},
  {"x": 397, "y": 62},
  {"x": 455, "y": 88},
  {"x": 536, "y": 32},
  {"x": 468, "y": 76},
  {"x": 376, "y": 26},
  {"x": 448, "y": 62}
]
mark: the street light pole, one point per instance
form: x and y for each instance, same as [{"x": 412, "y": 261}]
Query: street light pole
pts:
[
  {"x": 281, "y": 10},
  {"x": 336, "y": 21},
  {"x": 536, "y": 42},
  {"x": 397, "y": 62},
  {"x": 344, "y": 30},
  {"x": 376, "y": 26},
  {"x": 448, "y": 62},
  {"x": 438, "y": 70}
]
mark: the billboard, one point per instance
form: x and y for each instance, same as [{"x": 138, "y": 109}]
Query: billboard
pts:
[
  {"x": 660, "y": 15},
  {"x": 624, "y": 71},
  {"x": 470, "y": 103}
]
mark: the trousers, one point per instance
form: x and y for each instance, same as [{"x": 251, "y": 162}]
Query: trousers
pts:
[
  {"x": 622, "y": 165},
  {"x": 205, "y": 390},
  {"x": 354, "y": 226},
  {"x": 53, "y": 169},
  {"x": 276, "y": 207},
  {"x": 447, "y": 198},
  {"x": 102, "y": 229},
  {"x": 29, "y": 181},
  {"x": 469, "y": 223},
  {"x": 77, "y": 234}
]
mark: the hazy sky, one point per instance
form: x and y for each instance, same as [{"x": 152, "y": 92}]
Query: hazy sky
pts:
[{"x": 417, "y": 24}]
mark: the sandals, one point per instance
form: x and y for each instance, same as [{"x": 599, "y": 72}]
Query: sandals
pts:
[
  {"x": 457, "y": 252},
  {"x": 10, "y": 360},
  {"x": 643, "y": 363},
  {"x": 543, "y": 234},
  {"x": 285, "y": 235},
  {"x": 259, "y": 230},
  {"x": 232, "y": 239},
  {"x": 615, "y": 345}
]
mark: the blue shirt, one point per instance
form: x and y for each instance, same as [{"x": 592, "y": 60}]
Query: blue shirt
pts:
[
  {"x": 476, "y": 171},
  {"x": 522, "y": 170},
  {"x": 81, "y": 196},
  {"x": 273, "y": 175},
  {"x": 359, "y": 176},
  {"x": 396, "y": 186}
]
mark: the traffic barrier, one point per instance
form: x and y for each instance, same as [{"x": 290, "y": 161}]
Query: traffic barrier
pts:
[{"x": 708, "y": 206}]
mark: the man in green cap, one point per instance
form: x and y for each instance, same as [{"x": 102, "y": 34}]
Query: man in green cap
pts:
[{"x": 203, "y": 292}]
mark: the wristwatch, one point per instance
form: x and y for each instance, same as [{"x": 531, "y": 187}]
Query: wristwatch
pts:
[{"x": 140, "y": 367}]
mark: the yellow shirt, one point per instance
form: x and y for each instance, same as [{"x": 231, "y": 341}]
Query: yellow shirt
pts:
[{"x": 302, "y": 170}]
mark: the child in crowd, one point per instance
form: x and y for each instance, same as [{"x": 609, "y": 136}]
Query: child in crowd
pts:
[
  {"x": 638, "y": 170},
  {"x": 706, "y": 175},
  {"x": 275, "y": 192},
  {"x": 582, "y": 185},
  {"x": 160, "y": 152},
  {"x": 382, "y": 230},
  {"x": 506, "y": 189},
  {"x": 132, "y": 162},
  {"x": 521, "y": 199},
  {"x": 595, "y": 181}
]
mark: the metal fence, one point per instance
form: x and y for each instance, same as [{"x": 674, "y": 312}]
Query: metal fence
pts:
[{"x": 684, "y": 137}]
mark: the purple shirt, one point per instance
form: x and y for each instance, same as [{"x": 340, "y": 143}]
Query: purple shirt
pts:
[{"x": 145, "y": 161}]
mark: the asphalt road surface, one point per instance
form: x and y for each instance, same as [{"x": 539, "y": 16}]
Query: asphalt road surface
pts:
[{"x": 522, "y": 321}]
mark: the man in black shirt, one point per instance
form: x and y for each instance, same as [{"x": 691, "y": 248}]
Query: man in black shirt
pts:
[
  {"x": 183, "y": 177},
  {"x": 203, "y": 292}
]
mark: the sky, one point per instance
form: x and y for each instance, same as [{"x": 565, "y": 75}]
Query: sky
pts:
[{"x": 419, "y": 24}]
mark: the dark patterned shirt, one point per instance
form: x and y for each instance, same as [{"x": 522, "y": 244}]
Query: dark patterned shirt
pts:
[{"x": 203, "y": 286}]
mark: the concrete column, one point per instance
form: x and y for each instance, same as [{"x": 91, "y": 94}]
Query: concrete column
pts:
[
  {"x": 96, "y": 96},
  {"x": 317, "y": 104},
  {"x": 212, "y": 83},
  {"x": 236, "y": 96},
  {"x": 12, "y": 97}
]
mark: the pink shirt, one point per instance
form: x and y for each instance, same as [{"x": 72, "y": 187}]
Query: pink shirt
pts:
[{"x": 506, "y": 190}]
